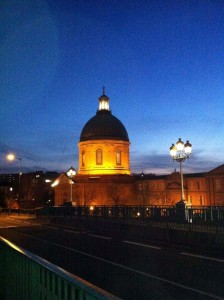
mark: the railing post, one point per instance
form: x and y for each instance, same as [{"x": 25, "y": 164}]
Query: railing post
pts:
[
  {"x": 3, "y": 261},
  {"x": 181, "y": 211},
  {"x": 25, "y": 276}
]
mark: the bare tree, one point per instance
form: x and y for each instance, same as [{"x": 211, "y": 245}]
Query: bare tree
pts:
[
  {"x": 117, "y": 191},
  {"x": 89, "y": 196},
  {"x": 77, "y": 195},
  {"x": 144, "y": 192}
]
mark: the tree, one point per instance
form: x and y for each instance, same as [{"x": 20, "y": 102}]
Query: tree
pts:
[
  {"x": 117, "y": 191},
  {"x": 144, "y": 192},
  {"x": 83, "y": 195},
  {"x": 89, "y": 196}
]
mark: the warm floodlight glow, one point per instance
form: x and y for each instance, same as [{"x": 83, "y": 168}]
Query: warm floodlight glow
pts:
[
  {"x": 55, "y": 183},
  {"x": 47, "y": 180},
  {"x": 11, "y": 156},
  {"x": 104, "y": 105},
  {"x": 91, "y": 208}
]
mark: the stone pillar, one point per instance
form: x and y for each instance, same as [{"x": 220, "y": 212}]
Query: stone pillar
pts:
[{"x": 181, "y": 211}]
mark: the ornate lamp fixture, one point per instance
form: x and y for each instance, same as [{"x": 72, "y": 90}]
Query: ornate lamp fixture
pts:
[
  {"x": 180, "y": 152},
  {"x": 71, "y": 173}
]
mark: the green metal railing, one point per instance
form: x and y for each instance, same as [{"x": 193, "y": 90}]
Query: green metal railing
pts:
[{"x": 26, "y": 276}]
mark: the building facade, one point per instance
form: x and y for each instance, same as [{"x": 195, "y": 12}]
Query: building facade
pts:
[
  {"x": 104, "y": 144},
  {"x": 104, "y": 176},
  {"x": 28, "y": 190}
]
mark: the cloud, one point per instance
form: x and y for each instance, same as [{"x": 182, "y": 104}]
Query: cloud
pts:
[
  {"x": 163, "y": 164},
  {"x": 64, "y": 156}
]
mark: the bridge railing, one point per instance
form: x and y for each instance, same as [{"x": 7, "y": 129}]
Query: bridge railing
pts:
[
  {"x": 180, "y": 214},
  {"x": 195, "y": 215},
  {"x": 26, "y": 276}
]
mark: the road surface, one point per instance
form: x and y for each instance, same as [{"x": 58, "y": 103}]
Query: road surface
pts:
[{"x": 126, "y": 268}]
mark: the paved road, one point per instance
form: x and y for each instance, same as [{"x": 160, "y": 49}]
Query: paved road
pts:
[{"x": 125, "y": 268}]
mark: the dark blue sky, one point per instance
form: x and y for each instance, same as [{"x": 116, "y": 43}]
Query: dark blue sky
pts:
[{"x": 162, "y": 63}]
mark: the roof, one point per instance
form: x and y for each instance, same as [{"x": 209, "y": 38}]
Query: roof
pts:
[
  {"x": 104, "y": 126},
  {"x": 217, "y": 171}
]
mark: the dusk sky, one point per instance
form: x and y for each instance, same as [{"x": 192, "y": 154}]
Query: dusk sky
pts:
[{"x": 161, "y": 62}]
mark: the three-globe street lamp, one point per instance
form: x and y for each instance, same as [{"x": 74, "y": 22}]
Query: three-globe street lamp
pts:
[
  {"x": 11, "y": 157},
  {"x": 180, "y": 152},
  {"x": 71, "y": 173}
]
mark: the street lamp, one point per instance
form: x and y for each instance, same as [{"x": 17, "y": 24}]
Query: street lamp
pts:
[
  {"x": 11, "y": 157},
  {"x": 180, "y": 152},
  {"x": 71, "y": 173}
]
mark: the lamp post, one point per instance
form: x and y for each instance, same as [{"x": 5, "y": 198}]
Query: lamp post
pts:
[
  {"x": 71, "y": 173},
  {"x": 180, "y": 152},
  {"x": 12, "y": 157}
]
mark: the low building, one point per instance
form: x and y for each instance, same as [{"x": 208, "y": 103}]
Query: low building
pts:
[{"x": 200, "y": 189}]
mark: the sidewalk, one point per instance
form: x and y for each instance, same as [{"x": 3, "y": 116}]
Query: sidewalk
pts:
[{"x": 18, "y": 216}]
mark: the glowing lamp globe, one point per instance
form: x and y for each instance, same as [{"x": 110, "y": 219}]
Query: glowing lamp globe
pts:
[
  {"x": 11, "y": 156},
  {"x": 180, "y": 145},
  {"x": 173, "y": 150},
  {"x": 187, "y": 148},
  {"x": 71, "y": 172}
]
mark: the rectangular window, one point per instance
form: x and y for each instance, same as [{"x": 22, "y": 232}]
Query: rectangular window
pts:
[
  {"x": 118, "y": 157},
  {"x": 99, "y": 159},
  {"x": 83, "y": 158},
  {"x": 218, "y": 184},
  {"x": 201, "y": 200}
]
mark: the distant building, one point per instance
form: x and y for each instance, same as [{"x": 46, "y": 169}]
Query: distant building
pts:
[
  {"x": 104, "y": 176},
  {"x": 9, "y": 190},
  {"x": 9, "y": 179},
  {"x": 34, "y": 188},
  {"x": 200, "y": 188}
]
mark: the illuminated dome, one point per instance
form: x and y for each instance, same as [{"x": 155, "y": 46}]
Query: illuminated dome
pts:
[
  {"x": 104, "y": 126},
  {"x": 104, "y": 144}
]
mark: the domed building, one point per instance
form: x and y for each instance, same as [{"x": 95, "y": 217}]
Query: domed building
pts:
[
  {"x": 104, "y": 143},
  {"x": 104, "y": 176}
]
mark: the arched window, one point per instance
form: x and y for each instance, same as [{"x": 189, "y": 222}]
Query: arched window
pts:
[
  {"x": 118, "y": 157},
  {"x": 99, "y": 157},
  {"x": 83, "y": 158}
]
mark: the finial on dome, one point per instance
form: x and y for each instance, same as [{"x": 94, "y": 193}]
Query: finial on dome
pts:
[{"x": 104, "y": 101}]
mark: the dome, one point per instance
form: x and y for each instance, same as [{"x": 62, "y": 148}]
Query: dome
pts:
[{"x": 104, "y": 126}]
